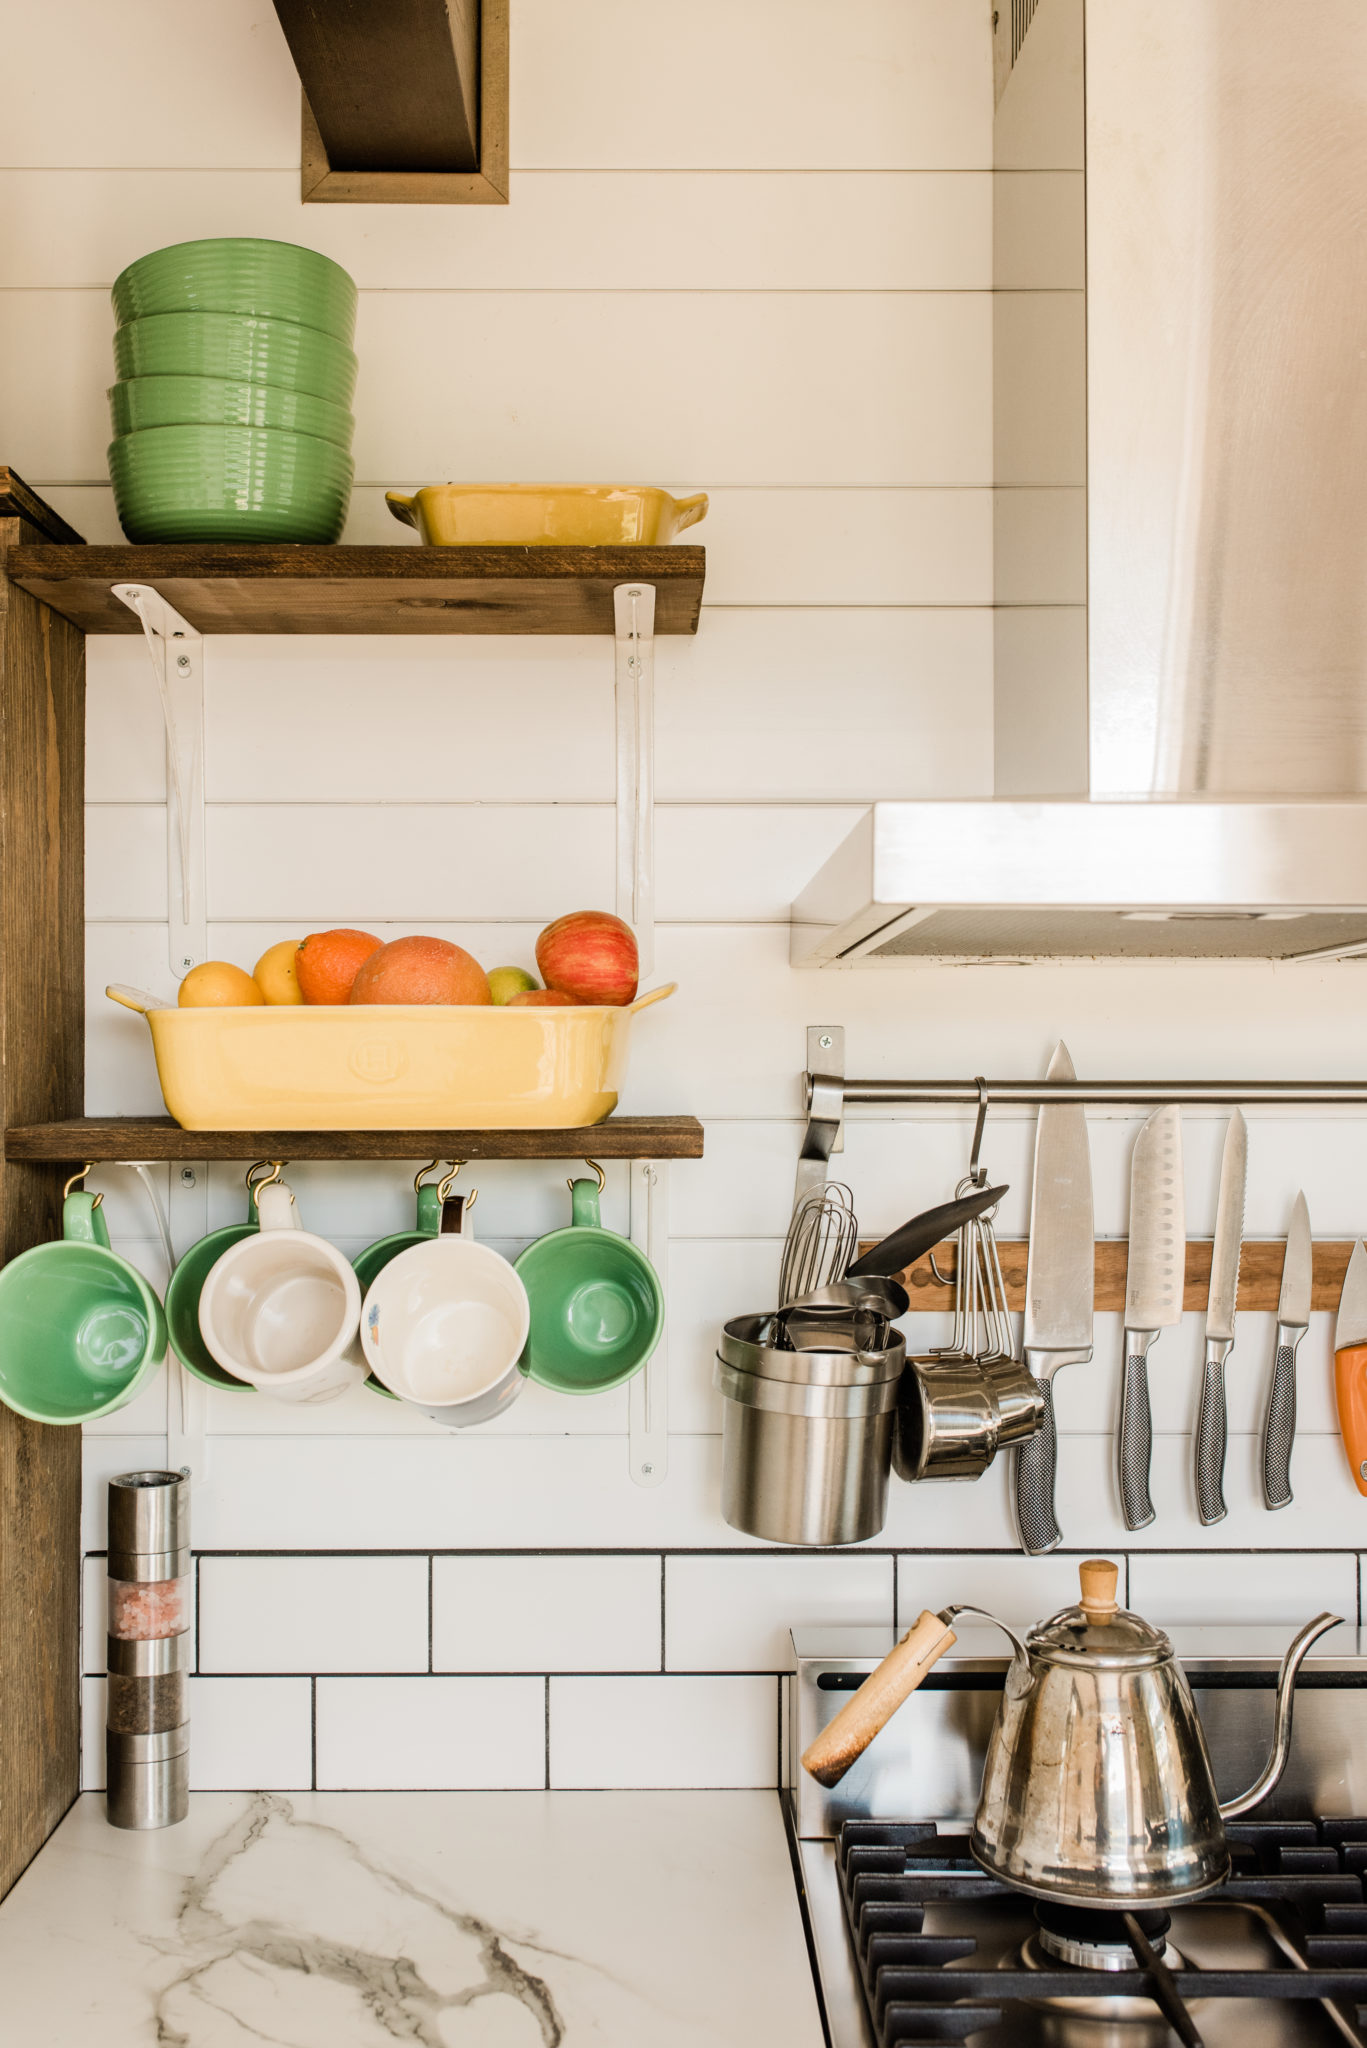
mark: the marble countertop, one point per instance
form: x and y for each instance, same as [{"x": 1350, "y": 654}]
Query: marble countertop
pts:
[{"x": 441, "y": 1919}]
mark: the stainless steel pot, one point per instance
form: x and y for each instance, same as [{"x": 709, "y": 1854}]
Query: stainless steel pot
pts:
[
  {"x": 806, "y": 1437},
  {"x": 1097, "y": 1789}
]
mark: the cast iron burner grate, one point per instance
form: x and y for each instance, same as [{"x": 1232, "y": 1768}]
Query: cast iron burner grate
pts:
[{"x": 922, "y": 1987}]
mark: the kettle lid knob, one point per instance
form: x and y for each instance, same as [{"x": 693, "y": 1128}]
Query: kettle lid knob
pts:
[{"x": 1098, "y": 1578}]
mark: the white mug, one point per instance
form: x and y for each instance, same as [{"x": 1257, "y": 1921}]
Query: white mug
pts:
[
  {"x": 444, "y": 1325},
  {"x": 281, "y": 1309}
]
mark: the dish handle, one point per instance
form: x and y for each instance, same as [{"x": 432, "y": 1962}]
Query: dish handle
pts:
[
  {"x": 403, "y": 507},
  {"x": 135, "y": 998},
  {"x": 688, "y": 511},
  {"x": 654, "y": 995}
]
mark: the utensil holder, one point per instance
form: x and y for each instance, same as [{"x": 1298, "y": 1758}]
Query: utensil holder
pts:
[{"x": 147, "y": 1731}]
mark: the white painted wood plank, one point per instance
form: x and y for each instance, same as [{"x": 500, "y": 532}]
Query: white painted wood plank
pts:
[
  {"x": 1040, "y": 387},
  {"x": 562, "y": 230},
  {"x": 1040, "y": 545},
  {"x": 345, "y": 863},
  {"x": 786, "y": 82},
  {"x": 741, "y": 862},
  {"x": 125, "y": 861},
  {"x": 1039, "y": 231},
  {"x": 764, "y": 387},
  {"x": 125, "y": 743}
]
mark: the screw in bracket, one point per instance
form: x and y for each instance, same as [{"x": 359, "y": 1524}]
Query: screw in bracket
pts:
[{"x": 187, "y": 1177}]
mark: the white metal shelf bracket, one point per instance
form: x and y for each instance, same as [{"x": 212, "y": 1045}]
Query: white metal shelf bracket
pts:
[
  {"x": 633, "y": 606},
  {"x": 648, "y": 1392},
  {"x": 177, "y": 654}
]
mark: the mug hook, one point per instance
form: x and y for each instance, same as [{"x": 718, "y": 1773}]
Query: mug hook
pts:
[
  {"x": 602, "y": 1177},
  {"x": 976, "y": 1173},
  {"x": 423, "y": 1171},
  {"x": 89, "y": 1167},
  {"x": 273, "y": 1178},
  {"x": 444, "y": 1188}
]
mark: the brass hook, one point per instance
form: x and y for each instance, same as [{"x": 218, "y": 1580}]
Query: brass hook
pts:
[
  {"x": 257, "y": 1168},
  {"x": 602, "y": 1177},
  {"x": 89, "y": 1167},
  {"x": 446, "y": 1186},
  {"x": 423, "y": 1172},
  {"x": 273, "y": 1179}
]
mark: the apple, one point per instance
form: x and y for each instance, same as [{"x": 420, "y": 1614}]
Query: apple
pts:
[
  {"x": 507, "y": 982},
  {"x": 542, "y": 999},
  {"x": 590, "y": 955}
]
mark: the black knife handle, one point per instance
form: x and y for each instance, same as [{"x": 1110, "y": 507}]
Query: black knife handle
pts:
[
  {"x": 1136, "y": 1442},
  {"x": 1036, "y": 1462},
  {"x": 1211, "y": 1437},
  {"x": 1279, "y": 1430}
]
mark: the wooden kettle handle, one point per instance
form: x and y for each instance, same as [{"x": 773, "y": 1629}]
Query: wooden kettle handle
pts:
[{"x": 846, "y": 1738}]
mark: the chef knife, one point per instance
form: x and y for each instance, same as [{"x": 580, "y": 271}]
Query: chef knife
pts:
[
  {"x": 1058, "y": 1293},
  {"x": 1293, "y": 1320},
  {"x": 1212, "y": 1428},
  {"x": 1350, "y": 1366},
  {"x": 1153, "y": 1294}
]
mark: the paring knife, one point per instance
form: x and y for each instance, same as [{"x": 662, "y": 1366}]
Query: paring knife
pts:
[
  {"x": 1154, "y": 1280},
  {"x": 1212, "y": 1427},
  {"x": 1350, "y": 1366},
  {"x": 1293, "y": 1320},
  {"x": 1058, "y": 1293}
]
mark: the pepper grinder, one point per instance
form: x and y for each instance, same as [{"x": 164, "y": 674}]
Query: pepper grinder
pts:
[{"x": 147, "y": 1736}]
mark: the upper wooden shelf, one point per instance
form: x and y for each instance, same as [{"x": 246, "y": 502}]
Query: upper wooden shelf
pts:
[
  {"x": 267, "y": 589},
  {"x": 156, "y": 1137}
]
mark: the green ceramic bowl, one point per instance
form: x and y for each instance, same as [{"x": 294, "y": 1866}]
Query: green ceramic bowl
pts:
[
  {"x": 81, "y": 1331},
  {"x": 596, "y": 1301},
  {"x": 182, "y": 1307},
  {"x": 239, "y": 347},
  {"x": 200, "y": 483},
  {"x": 238, "y": 274},
  {"x": 210, "y": 401}
]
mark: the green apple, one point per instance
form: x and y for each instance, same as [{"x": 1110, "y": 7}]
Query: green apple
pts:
[{"x": 507, "y": 982}]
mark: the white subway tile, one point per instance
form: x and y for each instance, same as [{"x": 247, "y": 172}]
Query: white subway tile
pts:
[
  {"x": 693, "y": 1732},
  {"x": 313, "y": 1613},
  {"x": 539, "y": 1613},
  {"x": 1019, "y": 1589},
  {"x": 1203, "y": 1586},
  {"x": 734, "y": 1613},
  {"x": 246, "y": 1734},
  {"x": 431, "y": 1734}
]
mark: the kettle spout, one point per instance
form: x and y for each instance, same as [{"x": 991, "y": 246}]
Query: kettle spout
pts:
[{"x": 1281, "y": 1733}]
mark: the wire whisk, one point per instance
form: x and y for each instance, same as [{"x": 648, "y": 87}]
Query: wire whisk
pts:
[{"x": 822, "y": 1241}]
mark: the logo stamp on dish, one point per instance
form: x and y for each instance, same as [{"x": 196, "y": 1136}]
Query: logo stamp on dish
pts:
[{"x": 379, "y": 1059}]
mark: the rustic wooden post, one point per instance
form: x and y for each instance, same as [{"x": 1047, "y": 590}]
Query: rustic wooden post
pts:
[{"x": 42, "y": 1025}]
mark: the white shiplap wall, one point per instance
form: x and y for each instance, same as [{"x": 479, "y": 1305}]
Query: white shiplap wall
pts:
[{"x": 749, "y": 249}]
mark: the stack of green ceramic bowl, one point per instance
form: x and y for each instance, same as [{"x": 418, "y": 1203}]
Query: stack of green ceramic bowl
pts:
[{"x": 232, "y": 413}]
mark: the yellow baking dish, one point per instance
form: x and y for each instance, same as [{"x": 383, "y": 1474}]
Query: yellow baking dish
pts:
[
  {"x": 545, "y": 515},
  {"x": 388, "y": 1067}
]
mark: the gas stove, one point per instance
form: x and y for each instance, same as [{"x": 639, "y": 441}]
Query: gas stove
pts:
[{"x": 912, "y": 1943}]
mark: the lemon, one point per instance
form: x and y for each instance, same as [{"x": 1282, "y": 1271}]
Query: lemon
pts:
[
  {"x": 275, "y": 976},
  {"x": 507, "y": 982},
  {"x": 217, "y": 984}
]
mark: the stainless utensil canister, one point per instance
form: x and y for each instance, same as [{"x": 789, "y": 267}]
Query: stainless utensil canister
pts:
[
  {"x": 147, "y": 1736},
  {"x": 806, "y": 1436}
]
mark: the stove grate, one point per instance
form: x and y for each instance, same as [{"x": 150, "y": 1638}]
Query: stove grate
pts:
[{"x": 1308, "y": 1874}]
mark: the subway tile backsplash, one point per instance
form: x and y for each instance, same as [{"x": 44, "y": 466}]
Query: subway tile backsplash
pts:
[
  {"x": 568, "y": 1612},
  {"x": 717, "y": 1732},
  {"x": 314, "y": 1614},
  {"x": 430, "y": 1734}
]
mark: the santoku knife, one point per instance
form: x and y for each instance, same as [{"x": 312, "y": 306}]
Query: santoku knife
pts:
[
  {"x": 1154, "y": 1280},
  {"x": 1212, "y": 1427},
  {"x": 1058, "y": 1293},
  {"x": 1350, "y": 1366},
  {"x": 1293, "y": 1320}
]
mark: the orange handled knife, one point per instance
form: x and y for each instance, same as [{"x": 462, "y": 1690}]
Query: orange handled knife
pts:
[{"x": 1350, "y": 1366}]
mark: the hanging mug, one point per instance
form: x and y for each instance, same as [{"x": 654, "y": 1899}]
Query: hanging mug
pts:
[{"x": 597, "y": 1307}]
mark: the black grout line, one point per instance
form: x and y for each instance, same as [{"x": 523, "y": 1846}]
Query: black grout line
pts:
[
  {"x": 431, "y": 1568},
  {"x": 664, "y": 1637},
  {"x": 895, "y": 1551},
  {"x": 198, "y": 1594},
  {"x": 548, "y": 1732},
  {"x": 313, "y": 1734}
]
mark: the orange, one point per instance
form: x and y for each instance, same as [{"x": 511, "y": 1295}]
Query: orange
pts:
[
  {"x": 421, "y": 970},
  {"x": 327, "y": 963},
  {"x": 274, "y": 973},
  {"x": 217, "y": 984}
]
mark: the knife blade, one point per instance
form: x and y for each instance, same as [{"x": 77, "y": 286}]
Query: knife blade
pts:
[
  {"x": 1212, "y": 1426},
  {"x": 1350, "y": 1366},
  {"x": 1293, "y": 1320},
  {"x": 1154, "y": 1279},
  {"x": 1059, "y": 1280}
]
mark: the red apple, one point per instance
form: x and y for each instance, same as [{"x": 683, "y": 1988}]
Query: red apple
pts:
[
  {"x": 541, "y": 999},
  {"x": 590, "y": 955}
]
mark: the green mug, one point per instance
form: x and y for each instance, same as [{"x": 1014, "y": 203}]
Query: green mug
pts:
[
  {"x": 81, "y": 1331},
  {"x": 373, "y": 1260},
  {"x": 182, "y": 1302},
  {"x": 597, "y": 1304}
]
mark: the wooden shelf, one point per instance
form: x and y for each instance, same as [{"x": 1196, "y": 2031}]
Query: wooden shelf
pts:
[
  {"x": 156, "y": 1137},
  {"x": 269, "y": 589},
  {"x": 1260, "y": 1274}
]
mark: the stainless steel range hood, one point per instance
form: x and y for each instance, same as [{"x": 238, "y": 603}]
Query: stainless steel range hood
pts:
[{"x": 1196, "y": 783}]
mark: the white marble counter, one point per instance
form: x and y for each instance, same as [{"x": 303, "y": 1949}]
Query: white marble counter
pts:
[{"x": 444, "y": 1920}]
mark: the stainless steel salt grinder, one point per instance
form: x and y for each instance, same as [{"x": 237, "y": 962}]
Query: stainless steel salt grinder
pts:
[{"x": 147, "y": 1736}]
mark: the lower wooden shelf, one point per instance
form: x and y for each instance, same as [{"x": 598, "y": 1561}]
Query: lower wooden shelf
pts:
[
  {"x": 1260, "y": 1274},
  {"x": 156, "y": 1137}
]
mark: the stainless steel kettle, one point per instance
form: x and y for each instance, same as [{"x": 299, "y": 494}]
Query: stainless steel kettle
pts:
[{"x": 1097, "y": 1789}]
